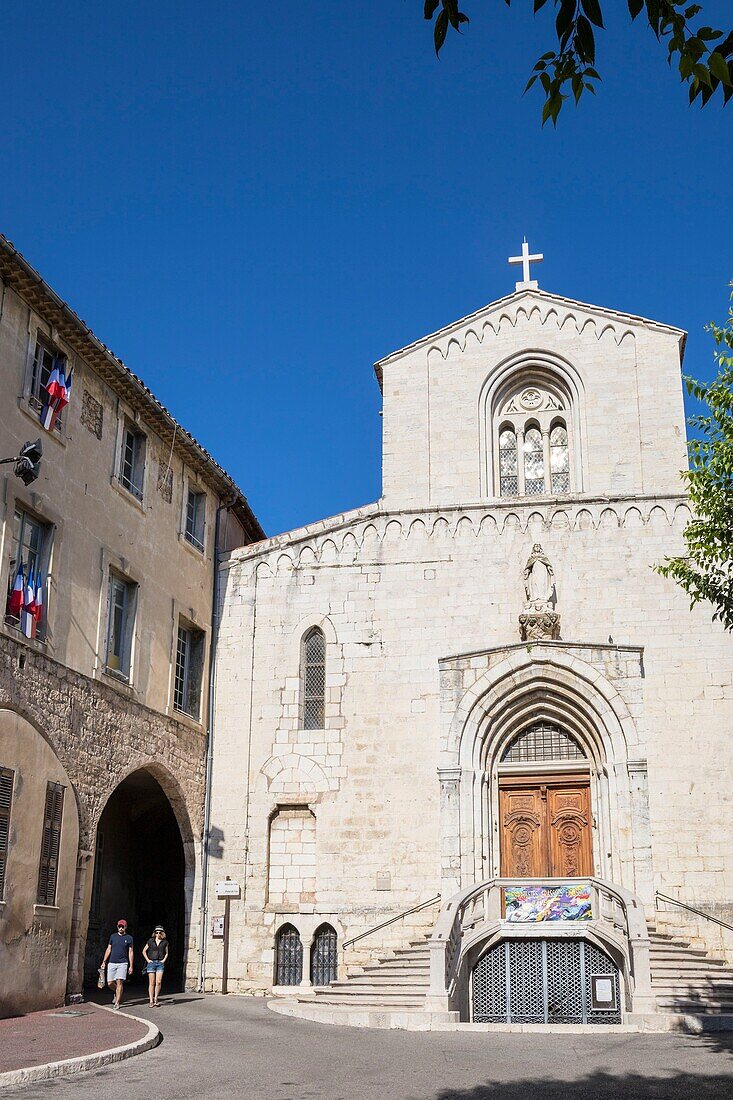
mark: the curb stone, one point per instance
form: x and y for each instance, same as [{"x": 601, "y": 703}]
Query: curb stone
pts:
[{"x": 84, "y": 1062}]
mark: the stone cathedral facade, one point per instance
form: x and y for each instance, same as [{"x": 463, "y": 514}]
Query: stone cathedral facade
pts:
[{"x": 478, "y": 687}]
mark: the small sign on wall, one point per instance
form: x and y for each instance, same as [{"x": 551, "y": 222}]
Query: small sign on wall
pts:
[
  {"x": 217, "y": 928},
  {"x": 384, "y": 880},
  {"x": 603, "y": 993}
]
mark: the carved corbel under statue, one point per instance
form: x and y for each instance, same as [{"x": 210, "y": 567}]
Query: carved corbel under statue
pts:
[{"x": 539, "y": 622}]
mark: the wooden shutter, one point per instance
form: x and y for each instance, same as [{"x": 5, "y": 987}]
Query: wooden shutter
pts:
[
  {"x": 48, "y": 870},
  {"x": 6, "y": 797}
]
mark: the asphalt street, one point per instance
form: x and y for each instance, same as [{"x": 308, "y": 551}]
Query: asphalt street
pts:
[{"x": 219, "y": 1047}]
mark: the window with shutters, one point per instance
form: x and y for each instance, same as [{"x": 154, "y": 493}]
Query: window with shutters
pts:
[
  {"x": 6, "y": 798},
  {"x": 50, "y": 844},
  {"x": 131, "y": 473},
  {"x": 31, "y": 550},
  {"x": 189, "y": 670},
  {"x": 45, "y": 356},
  {"x": 121, "y": 605},
  {"x": 313, "y": 680},
  {"x": 195, "y": 518}
]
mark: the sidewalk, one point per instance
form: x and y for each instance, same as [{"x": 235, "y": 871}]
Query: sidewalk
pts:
[{"x": 67, "y": 1040}]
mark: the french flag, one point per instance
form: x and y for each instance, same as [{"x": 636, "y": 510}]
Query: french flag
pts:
[
  {"x": 58, "y": 390},
  {"x": 39, "y": 598},
  {"x": 28, "y": 614},
  {"x": 15, "y": 600}
]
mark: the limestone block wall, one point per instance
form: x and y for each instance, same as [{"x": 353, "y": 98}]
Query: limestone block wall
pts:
[
  {"x": 628, "y": 404},
  {"x": 395, "y": 593}
]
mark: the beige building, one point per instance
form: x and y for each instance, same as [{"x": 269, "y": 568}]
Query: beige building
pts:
[
  {"x": 475, "y": 699},
  {"x": 104, "y": 705}
]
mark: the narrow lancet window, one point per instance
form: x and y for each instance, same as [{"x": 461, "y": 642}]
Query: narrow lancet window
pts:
[
  {"x": 508, "y": 463},
  {"x": 313, "y": 680},
  {"x": 559, "y": 459},
  {"x": 534, "y": 467}
]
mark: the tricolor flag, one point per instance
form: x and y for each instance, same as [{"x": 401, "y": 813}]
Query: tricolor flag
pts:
[
  {"x": 57, "y": 389},
  {"x": 17, "y": 593},
  {"x": 28, "y": 614},
  {"x": 39, "y": 598}
]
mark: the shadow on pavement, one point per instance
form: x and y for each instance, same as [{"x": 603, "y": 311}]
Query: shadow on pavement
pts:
[{"x": 602, "y": 1085}]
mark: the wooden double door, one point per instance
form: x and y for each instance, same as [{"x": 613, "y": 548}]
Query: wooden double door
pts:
[{"x": 545, "y": 825}]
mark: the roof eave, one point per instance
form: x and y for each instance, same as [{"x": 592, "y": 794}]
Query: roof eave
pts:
[{"x": 30, "y": 285}]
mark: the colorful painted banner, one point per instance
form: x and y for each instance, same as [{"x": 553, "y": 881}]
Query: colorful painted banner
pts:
[{"x": 529, "y": 904}]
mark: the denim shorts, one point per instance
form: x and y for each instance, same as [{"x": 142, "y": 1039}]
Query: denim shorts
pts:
[{"x": 155, "y": 967}]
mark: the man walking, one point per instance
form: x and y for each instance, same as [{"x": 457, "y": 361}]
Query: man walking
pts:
[{"x": 118, "y": 956}]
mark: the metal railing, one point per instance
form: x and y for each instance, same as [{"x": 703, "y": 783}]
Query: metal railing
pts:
[
  {"x": 691, "y": 909},
  {"x": 392, "y": 920}
]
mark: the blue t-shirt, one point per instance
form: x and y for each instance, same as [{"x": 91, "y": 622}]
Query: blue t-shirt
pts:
[{"x": 120, "y": 946}]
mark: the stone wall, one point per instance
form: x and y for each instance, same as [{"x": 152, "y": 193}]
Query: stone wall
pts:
[
  {"x": 99, "y": 736},
  {"x": 398, "y": 591}
]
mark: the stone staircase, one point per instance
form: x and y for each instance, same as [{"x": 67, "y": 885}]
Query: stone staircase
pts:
[
  {"x": 391, "y": 991},
  {"x": 685, "y": 979},
  {"x": 395, "y": 982}
]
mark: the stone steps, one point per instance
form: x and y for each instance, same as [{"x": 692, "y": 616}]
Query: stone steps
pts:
[{"x": 685, "y": 979}]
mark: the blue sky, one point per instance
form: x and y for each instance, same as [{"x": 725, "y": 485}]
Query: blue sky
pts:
[{"x": 251, "y": 204}]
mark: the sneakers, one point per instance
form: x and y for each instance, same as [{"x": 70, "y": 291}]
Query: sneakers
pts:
[{"x": 115, "y": 1006}]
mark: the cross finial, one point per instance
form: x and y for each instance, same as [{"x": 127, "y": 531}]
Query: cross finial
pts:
[{"x": 525, "y": 260}]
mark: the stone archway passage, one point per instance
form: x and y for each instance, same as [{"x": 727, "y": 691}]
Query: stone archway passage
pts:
[{"x": 139, "y": 871}]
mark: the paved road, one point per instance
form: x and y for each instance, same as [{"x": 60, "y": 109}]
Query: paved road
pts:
[{"x": 220, "y": 1047}]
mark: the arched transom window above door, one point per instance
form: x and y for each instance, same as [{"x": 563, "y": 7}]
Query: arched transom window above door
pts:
[
  {"x": 532, "y": 434},
  {"x": 542, "y": 743}
]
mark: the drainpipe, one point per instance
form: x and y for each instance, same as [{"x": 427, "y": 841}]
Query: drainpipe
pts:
[{"x": 204, "y": 909}]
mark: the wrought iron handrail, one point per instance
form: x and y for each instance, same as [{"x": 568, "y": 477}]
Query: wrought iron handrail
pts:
[
  {"x": 692, "y": 909},
  {"x": 392, "y": 920}
]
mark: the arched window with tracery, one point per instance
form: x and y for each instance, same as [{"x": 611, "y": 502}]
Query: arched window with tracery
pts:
[
  {"x": 313, "y": 680},
  {"x": 532, "y": 434}
]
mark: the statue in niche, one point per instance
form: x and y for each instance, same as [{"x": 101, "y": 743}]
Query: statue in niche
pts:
[{"x": 539, "y": 622}]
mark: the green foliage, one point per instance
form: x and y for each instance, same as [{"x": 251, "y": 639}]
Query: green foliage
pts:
[
  {"x": 706, "y": 572},
  {"x": 704, "y": 56}
]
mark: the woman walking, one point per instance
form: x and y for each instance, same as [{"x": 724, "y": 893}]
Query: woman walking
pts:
[{"x": 155, "y": 954}]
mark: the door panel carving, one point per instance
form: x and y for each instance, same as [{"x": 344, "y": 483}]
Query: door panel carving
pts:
[
  {"x": 545, "y": 827},
  {"x": 522, "y": 816},
  {"x": 568, "y": 815}
]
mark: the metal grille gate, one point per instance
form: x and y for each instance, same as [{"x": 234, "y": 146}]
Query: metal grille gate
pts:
[
  {"x": 324, "y": 956},
  {"x": 289, "y": 963},
  {"x": 541, "y": 982}
]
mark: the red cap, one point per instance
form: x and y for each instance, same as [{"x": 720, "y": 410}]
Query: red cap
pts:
[{"x": 119, "y": 922}]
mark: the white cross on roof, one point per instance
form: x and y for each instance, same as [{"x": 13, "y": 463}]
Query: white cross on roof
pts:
[{"x": 525, "y": 260}]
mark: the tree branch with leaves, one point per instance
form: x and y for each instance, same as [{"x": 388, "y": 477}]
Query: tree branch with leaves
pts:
[
  {"x": 706, "y": 571},
  {"x": 703, "y": 54}
]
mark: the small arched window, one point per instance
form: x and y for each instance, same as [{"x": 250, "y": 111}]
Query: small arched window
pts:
[
  {"x": 534, "y": 465},
  {"x": 559, "y": 459},
  {"x": 313, "y": 680},
  {"x": 324, "y": 955},
  {"x": 508, "y": 462},
  {"x": 542, "y": 742},
  {"x": 288, "y": 956}
]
